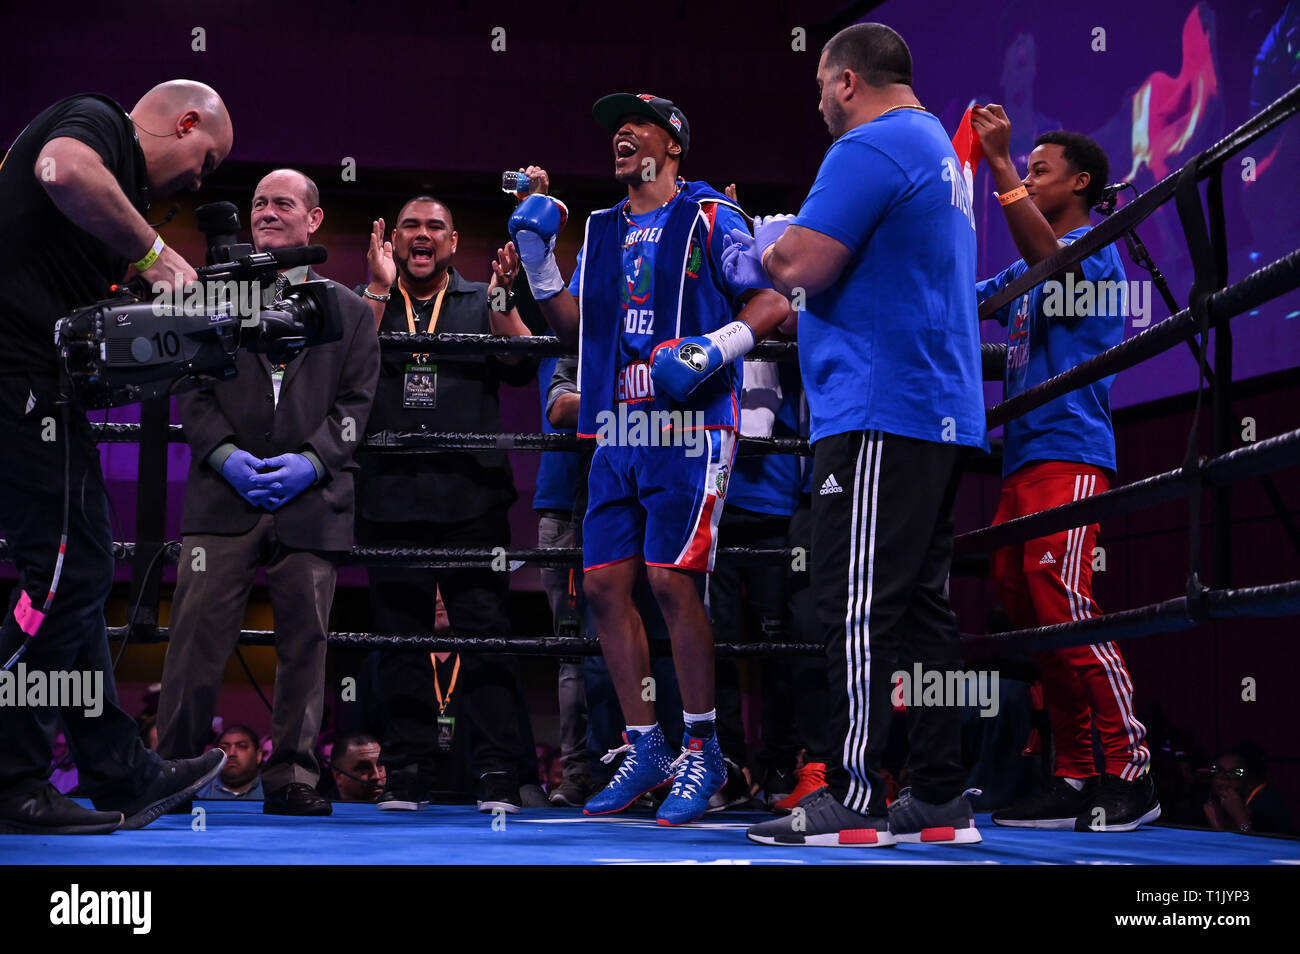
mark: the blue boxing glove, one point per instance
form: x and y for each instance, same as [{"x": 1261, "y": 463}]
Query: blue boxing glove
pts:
[
  {"x": 533, "y": 226},
  {"x": 241, "y": 469},
  {"x": 679, "y": 366},
  {"x": 290, "y": 475}
]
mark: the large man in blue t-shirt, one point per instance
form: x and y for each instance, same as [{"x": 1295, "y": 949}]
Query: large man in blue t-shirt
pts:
[
  {"x": 660, "y": 332},
  {"x": 884, "y": 250}
]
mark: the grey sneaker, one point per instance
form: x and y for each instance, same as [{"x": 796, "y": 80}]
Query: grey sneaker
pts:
[
  {"x": 916, "y": 822},
  {"x": 571, "y": 793},
  {"x": 819, "y": 820}
]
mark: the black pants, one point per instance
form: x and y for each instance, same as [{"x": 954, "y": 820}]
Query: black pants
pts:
[
  {"x": 882, "y": 523},
  {"x": 797, "y": 685},
  {"x": 111, "y": 761},
  {"x": 747, "y": 604},
  {"x": 403, "y": 601}
]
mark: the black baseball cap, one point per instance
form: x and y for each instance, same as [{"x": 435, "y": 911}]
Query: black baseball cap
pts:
[{"x": 662, "y": 112}]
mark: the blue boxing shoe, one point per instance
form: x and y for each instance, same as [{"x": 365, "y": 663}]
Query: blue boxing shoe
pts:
[
  {"x": 647, "y": 765},
  {"x": 701, "y": 773}
]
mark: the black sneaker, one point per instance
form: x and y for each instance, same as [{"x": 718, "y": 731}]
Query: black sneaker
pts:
[
  {"x": 500, "y": 793},
  {"x": 1118, "y": 805},
  {"x": 532, "y": 796},
  {"x": 404, "y": 791},
  {"x": 916, "y": 822},
  {"x": 734, "y": 792},
  {"x": 177, "y": 781},
  {"x": 777, "y": 785},
  {"x": 572, "y": 792},
  {"x": 819, "y": 820},
  {"x": 296, "y": 798},
  {"x": 37, "y": 808},
  {"x": 1056, "y": 807}
]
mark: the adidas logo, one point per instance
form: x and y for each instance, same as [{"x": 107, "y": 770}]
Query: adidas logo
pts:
[
  {"x": 830, "y": 486},
  {"x": 1047, "y": 559}
]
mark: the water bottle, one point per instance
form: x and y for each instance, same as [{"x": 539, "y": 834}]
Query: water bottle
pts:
[{"x": 514, "y": 183}]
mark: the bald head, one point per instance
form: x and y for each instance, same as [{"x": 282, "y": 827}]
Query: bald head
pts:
[{"x": 185, "y": 132}]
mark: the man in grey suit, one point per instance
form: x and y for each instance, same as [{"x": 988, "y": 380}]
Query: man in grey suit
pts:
[{"x": 270, "y": 485}]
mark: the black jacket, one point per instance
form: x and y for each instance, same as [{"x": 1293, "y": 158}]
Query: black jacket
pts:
[
  {"x": 440, "y": 487},
  {"x": 324, "y": 405}
]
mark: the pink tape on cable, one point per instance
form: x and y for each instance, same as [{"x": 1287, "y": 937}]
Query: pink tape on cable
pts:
[{"x": 28, "y": 617}]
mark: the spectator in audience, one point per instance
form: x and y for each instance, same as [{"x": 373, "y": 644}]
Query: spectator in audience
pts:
[
  {"x": 1240, "y": 799},
  {"x": 359, "y": 775},
  {"x": 241, "y": 778},
  {"x": 550, "y": 765}
]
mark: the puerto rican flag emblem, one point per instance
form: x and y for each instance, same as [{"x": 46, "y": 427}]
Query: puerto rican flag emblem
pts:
[{"x": 675, "y": 123}]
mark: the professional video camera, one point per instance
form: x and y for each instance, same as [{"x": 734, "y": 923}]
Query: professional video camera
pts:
[{"x": 132, "y": 346}]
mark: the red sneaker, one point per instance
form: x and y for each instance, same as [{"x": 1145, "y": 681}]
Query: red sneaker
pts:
[{"x": 811, "y": 777}]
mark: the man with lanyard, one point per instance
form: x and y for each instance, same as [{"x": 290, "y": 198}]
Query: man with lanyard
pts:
[
  {"x": 456, "y": 499},
  {"x": 74, "y": 189},
  {"x": 660, "y": 332},
  {"x": 1063, "y": 451},
  {"x": 884, "y": 247}
]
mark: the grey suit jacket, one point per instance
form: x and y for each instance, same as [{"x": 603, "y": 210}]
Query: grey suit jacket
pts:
[{"x": 324, "y": 404}]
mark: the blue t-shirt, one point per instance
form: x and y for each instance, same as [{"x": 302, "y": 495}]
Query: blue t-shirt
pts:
[
  {"x": 558, "y": 470},
  {"x": 894, "y": 343},
  {"x": 771, "y": 483},
  {"x": 1050, "y": 330}
]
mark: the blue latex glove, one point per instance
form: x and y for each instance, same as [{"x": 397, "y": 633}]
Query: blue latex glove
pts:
[
  {"x": 679, "y": 366},
  {"x": 288, "y": 476},
  {"x": 242, "y": 469},
  {"x": 768, "y": 230},
  {"x": 741, "y": 261}
]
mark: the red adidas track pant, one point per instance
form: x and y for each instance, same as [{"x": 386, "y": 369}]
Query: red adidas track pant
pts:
[{"x": 1049, "y": 580}]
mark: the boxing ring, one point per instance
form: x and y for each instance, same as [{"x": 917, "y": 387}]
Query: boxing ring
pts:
[{"x": 239, "y": 833}]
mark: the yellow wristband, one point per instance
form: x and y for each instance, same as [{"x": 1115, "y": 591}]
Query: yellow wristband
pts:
[
  {"x": 151, "y": 256},
  {"x": 1013, "y": 196}
]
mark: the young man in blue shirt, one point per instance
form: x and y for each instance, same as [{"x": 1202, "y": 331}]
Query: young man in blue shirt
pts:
[
  {"x": 884, "y": 250},
  {"x": 1056, "y": 453},
  {"x": 660, "y": 333}
]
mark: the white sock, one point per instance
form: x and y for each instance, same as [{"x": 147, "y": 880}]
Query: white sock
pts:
[{"x": 642, "y": 729}]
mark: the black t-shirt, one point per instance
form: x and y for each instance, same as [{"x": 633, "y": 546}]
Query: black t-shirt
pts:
[
  {"x": 48, "y": 266},
  {"x": 454, "y": 394}
]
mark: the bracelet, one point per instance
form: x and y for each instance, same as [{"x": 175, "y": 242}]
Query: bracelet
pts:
[
  {"x": 1014, "y": 195},
  {"x": 365, "y": 293},
  {"x": 151, "y": 256}
]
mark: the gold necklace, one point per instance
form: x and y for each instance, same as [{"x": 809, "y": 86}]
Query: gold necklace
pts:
[{"x": 892, "y": 108}]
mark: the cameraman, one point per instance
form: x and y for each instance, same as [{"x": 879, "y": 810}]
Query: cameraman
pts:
[
  {"x": 270, "y": 485},
  {"x": 74, "y": 188}
]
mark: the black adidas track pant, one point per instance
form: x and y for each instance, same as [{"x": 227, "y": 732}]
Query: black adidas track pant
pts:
[{"x": 882, "y": 525}]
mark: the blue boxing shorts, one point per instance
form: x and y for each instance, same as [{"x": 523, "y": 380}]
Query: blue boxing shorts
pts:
[{"x": 660, "y": 503}]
